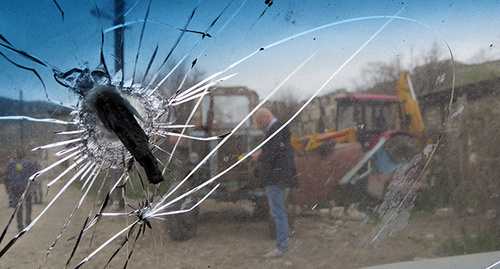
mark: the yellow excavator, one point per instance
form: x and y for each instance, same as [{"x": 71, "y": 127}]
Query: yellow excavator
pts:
[{"x": 374, "y": 135}]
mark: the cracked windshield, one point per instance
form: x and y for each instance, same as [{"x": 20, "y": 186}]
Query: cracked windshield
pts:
[{"x": 249, "y": 134}]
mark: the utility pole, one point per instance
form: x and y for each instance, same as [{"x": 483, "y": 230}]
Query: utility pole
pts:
[
  {"x": 119, "y": 36},
  {"x": 21, "y": 122},
  {"x": 118, "y": 19}
]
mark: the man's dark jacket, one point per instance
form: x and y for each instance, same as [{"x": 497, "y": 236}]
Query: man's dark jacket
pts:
[
  {"x": 18, "y": 174},
  {"x": 277, "y": 158}
]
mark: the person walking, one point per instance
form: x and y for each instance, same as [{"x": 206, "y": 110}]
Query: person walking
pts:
[
  {"x": 277, "y": 174},
  {"x": 36, "y": 186},
  {"x": 5, "y": 180},
  {"x": 17, "y": 179}
]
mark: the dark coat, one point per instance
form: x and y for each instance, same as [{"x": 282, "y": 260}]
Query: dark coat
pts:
[
  {"x": 18, "y": 174},
  {"x": 277, "y": 158}
]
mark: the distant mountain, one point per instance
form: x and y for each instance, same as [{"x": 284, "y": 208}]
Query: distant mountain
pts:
[{"x": 36, "y": 109}]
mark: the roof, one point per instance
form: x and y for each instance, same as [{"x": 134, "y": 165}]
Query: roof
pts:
[{"x": 368, "y": 97}]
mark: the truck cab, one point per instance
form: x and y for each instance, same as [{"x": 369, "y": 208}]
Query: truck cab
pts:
[
  {"x": 218, "y": 114},
  {"x": 371, "y": 115}
]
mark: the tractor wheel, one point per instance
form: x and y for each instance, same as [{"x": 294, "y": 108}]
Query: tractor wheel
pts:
[
  {"x": 182, "y": 226},
  {"x": 401, "y": 148}
]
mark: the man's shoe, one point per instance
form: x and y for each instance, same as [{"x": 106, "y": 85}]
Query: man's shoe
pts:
[{"x": 275, "y": 253}]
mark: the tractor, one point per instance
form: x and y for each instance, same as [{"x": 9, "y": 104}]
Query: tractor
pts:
[
  {"x": 374, "y": 135},
  {"x": 218, "y": 113}
]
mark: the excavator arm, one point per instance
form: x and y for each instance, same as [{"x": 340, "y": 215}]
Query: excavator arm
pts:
[{"x": 409, "y": 104}]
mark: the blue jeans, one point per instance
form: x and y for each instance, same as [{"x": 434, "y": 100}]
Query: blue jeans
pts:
[{"x": 277, "y": 208}]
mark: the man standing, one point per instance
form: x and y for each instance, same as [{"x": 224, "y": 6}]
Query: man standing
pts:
[
  {"x": 6, "y": 181},
  {"x": 36, "y": 186},
  {"x": 17, "y": 177},
  {"x": 277, "y": 173}
]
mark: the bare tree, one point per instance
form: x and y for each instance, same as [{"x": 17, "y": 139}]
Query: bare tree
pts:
[
  {"x": 285, "y": 104},
  {"x": 382, "y": 76},
  {"x": 381, "y": 72},
  {"x": 181, "y": 79},
  {"x": 431, "y": 72},
  {"x": 428, "y": 74}
]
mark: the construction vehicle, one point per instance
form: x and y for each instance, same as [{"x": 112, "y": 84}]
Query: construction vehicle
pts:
[
  {"x": 219, "y": 112},
  {"x": 374, "y": 135}
]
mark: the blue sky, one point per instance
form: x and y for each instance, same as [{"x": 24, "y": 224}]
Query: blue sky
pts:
[{"x": 469, "y": 27}]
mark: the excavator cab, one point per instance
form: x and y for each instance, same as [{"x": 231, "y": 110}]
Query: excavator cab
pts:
[
  {"x": 371, "y": 115},
  {"x": 373, "y": 136}
]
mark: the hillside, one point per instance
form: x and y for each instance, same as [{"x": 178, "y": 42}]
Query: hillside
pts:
[
  {"x": 37, "y": 109},
  {"x": 464, "y": 73},
  {"x": 438, "y": 77}
]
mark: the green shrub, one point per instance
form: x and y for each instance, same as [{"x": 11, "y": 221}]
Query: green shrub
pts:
[{"x": 486, "y": 241}]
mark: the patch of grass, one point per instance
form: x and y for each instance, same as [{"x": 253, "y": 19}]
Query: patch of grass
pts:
[
  {"x": 416, "y": 240},
  {"x": 374, "y": 219},
  {"x": 467, "y": 74},
  {"x": 421, "y": 214},
  {"x": 486, "y": 241},
  {"x": 436, "y": 196},
  {"x": 420, "y": 241},
  {"x": 472, "y": 73}
]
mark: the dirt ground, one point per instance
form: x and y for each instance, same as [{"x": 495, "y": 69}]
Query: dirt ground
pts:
[{"x": 227, "y": 238}]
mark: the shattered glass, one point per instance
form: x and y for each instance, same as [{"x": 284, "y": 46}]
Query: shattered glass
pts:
[{"x": 140, "y": 114}]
